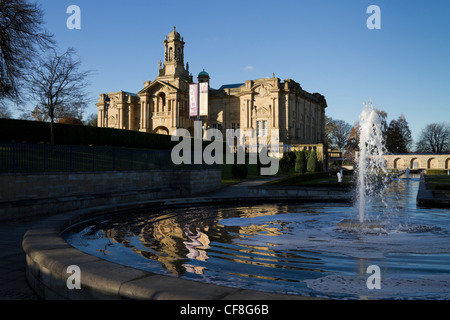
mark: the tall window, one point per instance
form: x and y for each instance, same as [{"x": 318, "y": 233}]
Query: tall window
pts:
[{"x": 261, "y": 128}]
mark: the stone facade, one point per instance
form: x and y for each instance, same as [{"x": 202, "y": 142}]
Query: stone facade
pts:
[
  {"x": 261, "y": 105},
  {"x": 418, "y": 161}
]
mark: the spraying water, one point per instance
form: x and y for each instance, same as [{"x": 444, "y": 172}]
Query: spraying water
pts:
[{"x": 371, "y": 167}]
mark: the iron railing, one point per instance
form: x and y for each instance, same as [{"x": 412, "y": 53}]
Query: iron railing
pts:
[{"x": 24, "y": 157}]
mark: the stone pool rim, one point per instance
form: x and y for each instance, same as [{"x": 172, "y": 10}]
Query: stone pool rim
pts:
[{"x": 48, "y": 257}]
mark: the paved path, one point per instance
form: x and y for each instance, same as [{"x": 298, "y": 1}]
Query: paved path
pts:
[
  {"x": 13, "y": 285},
  {"x": 239, "y": 189}
]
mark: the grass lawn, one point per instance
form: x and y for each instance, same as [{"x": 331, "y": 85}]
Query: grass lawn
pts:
[
  {"x": 227, "y": 177},
  {"x": 438, "y": 182},
  {"x": 318, "y": 179}
]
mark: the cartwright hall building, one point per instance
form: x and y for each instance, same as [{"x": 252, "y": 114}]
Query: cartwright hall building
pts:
[{"x": 162, "y": 105}]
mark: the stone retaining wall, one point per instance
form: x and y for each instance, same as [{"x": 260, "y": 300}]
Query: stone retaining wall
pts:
[
  {"x": 428, "y": 198},
  {"x": 304, "y": 193},
  {"x": 24, "y": 195}
]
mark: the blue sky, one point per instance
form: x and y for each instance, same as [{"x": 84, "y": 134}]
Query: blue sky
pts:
[{"x": 325, "y": 45}]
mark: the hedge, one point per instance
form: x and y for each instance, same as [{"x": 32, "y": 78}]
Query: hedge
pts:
[
  {"x": 12, "y": 130},
  {"x": 436, "y": 171}
]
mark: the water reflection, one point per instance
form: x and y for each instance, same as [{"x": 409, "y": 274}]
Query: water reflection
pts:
[{"x": 290, "y": 248}]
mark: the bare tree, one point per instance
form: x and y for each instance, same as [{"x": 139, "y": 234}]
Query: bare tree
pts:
[
  {"x": 328, "y": 121},
  {"x": 434, "y": 138},
  {"x": 57, "y": 85},
  {"x": 4, "y": 111},
  {"x": 71, "y": 110},
  {"x": 22, "y": 36},
  {"x": 352, "y": 144},
  {"x": 91, "y": 120},
  {"x": 339, "y": 132}
]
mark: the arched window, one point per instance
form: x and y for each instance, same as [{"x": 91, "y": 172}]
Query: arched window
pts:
[{"x": 170, "y": 54}]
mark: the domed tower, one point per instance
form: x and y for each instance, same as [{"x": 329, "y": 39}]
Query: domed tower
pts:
[
  {"x": 173, "y": 57},
  {"x": 203, "y": 77}
]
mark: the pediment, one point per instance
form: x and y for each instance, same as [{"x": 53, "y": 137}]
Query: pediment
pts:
[
  {"x": 262, "y": 111},
  {"x": 156, "y": 86},
  {"x": 262, "y": 89}
]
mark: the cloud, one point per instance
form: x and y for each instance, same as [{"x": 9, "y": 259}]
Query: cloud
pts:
[{"x": 249, "y": 68}]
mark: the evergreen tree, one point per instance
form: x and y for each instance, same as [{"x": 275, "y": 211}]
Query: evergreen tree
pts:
[
  {"x": 300, "y": 162},
  {"x": 312, "y": 161},
  {"x": 398, "y": 136}
]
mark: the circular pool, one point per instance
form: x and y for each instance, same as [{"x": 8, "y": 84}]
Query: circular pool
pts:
[{"x": 289, "y": 248}]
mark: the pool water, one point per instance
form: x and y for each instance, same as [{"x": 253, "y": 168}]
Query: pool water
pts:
[{"x": 286, "y": 248}]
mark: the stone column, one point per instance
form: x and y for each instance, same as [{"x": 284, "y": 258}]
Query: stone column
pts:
[
  {"x": 176, "y": 106},
  {"x": 150, "y": 114},
  {"x": 276, "y": 106},
  {"x": 144, "y": 114},
  {"x": 247, "y": 114},
  {"x": 100, "y": 117},
  {"x": 131, "y": 116}
]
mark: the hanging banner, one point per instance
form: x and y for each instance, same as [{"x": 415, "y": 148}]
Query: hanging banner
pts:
[
  {"x": 193, "y": 99},
  {"x": 204, "y": 89}
]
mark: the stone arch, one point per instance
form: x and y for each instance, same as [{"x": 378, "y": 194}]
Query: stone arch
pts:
[
  {"x": 161, "y": 130},
  {"x": 447, "y": 163},
  {"x": 432, "y": 163},
  {"x": 414, "y": 163},
  {"x": 398, "y": 163}
]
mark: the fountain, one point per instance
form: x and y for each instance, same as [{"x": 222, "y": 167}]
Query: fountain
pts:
[
  {"x": 287, "y": 247},
  {"x": 371, "y": 167}
]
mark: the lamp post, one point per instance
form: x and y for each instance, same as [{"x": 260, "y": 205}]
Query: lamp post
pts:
[{"x": 107, "y": 100}]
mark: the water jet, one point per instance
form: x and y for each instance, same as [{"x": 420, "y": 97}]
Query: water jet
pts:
[{"x": 371, "y": 168}]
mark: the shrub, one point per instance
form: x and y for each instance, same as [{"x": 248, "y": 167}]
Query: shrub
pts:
[
  {"x": 292, "y": 157},
  {"x": 300, "y": 162},
  {"x": 284, "y": 164},
  {"x": 312, "y": 162}
]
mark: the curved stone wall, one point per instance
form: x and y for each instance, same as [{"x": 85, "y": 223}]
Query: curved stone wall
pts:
[{"x": 49, "y": 258}]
